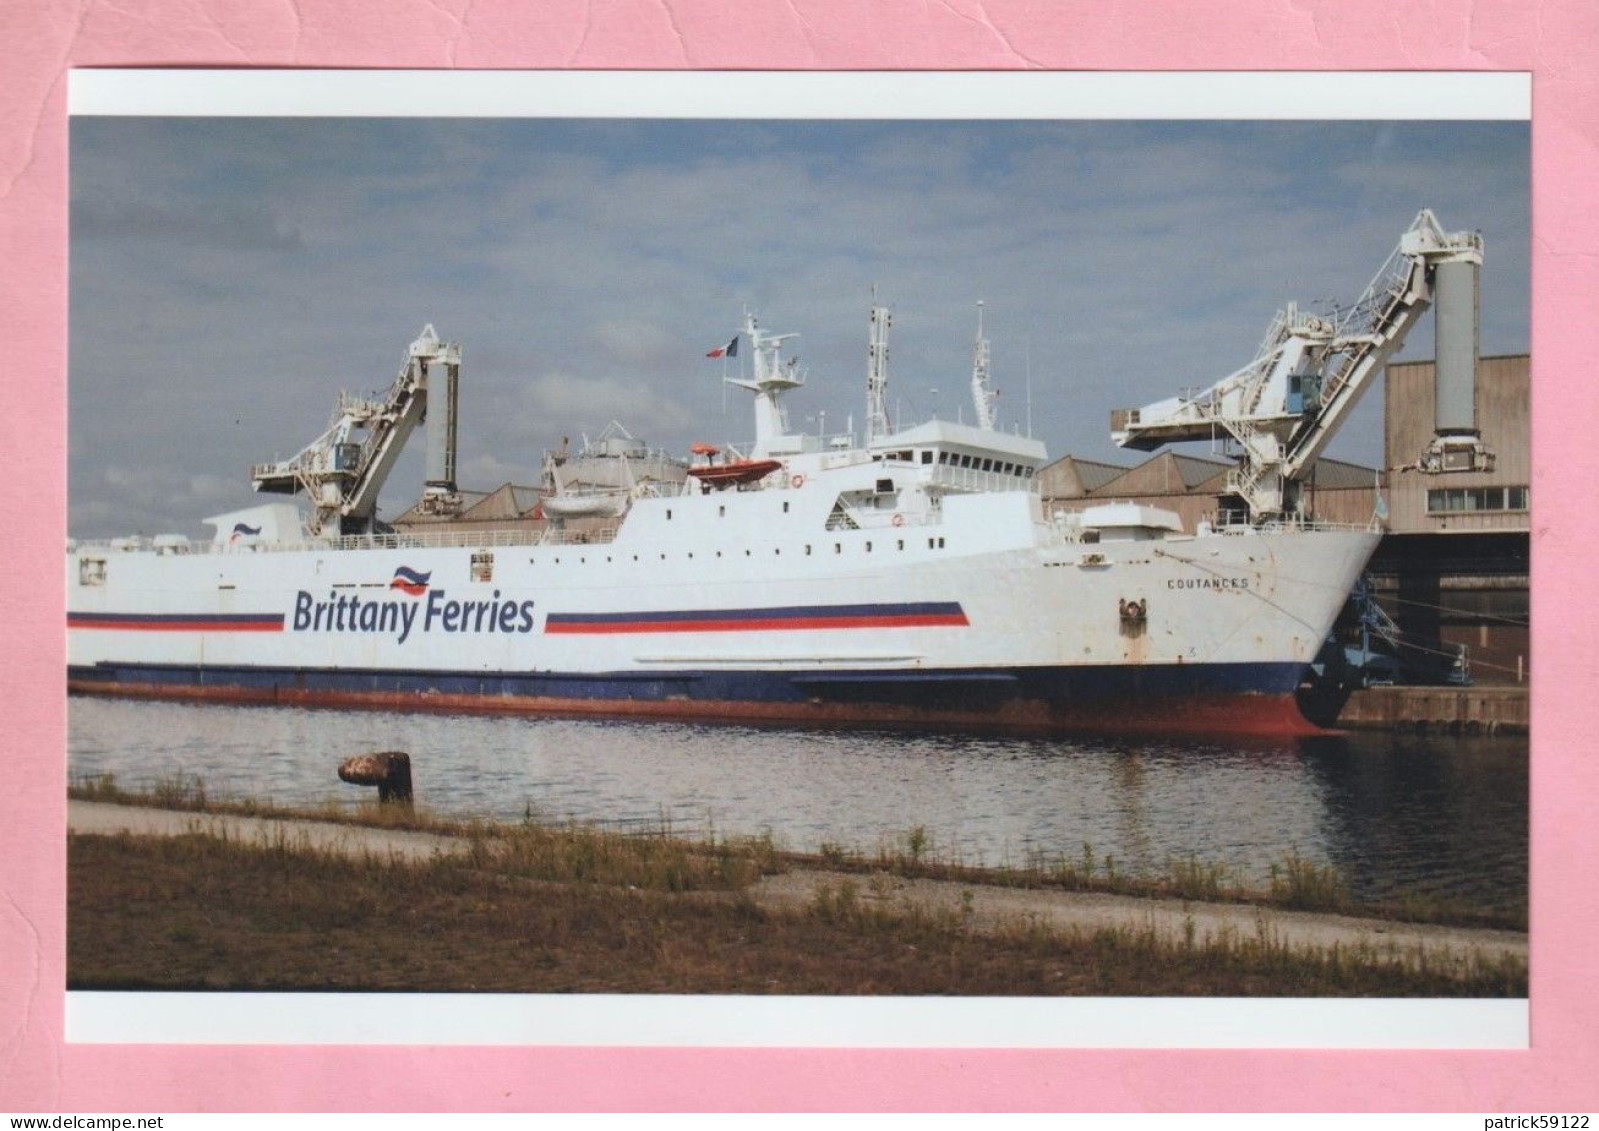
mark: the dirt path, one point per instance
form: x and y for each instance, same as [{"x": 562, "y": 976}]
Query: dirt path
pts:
[
  {"x": 97, "y": 817},
  {"x": 987, "y": 906},
  {"x": 1088, "y": 911}
]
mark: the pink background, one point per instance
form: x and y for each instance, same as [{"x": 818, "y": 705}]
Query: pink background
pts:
[{"x": 1557, "y": 41}]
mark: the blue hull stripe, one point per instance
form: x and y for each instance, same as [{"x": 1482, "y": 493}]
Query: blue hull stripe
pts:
[
  {"x": 904, "y": 615},
  {"x": 180, "y": 622},
  {"x": 932, "y": 689}
]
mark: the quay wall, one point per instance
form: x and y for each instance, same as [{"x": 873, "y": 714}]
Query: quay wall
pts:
[{"x": 1455, "y": 710}]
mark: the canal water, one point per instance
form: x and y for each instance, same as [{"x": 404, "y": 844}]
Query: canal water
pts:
[{"x": 1443, "y": 817}]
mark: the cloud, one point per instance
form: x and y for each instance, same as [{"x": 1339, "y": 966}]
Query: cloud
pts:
[
  {"x": 577, "y": 404},
  {"x": 488, "y": 472},
  {"x": 229, "y": 277},
  {"x": 227, "y": 227}
]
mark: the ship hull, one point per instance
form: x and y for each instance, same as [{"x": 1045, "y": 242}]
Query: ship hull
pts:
[
  {"x": 1223, "y": 699},
  {"x": 894, "y": 627}
]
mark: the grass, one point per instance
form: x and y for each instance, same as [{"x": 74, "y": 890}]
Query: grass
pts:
[
  {"x": 1294, "y": 882},
  {"x": 657, "y": 862},
  {"x": 577, "y": 909},
  {"x": 189, "y": 794}
]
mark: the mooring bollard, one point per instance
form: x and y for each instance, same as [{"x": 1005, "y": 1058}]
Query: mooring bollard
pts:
[{"x": 389, "y": 770}]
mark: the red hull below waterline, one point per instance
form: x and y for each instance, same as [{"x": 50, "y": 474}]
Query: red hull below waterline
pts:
[{"x": 1268, "y": 715}]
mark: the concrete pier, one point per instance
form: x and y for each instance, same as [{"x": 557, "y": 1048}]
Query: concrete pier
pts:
[{"x": 1452, "y": 710}]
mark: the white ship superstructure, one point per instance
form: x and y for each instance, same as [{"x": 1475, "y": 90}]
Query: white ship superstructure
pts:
[{"x": 910, "y": 577}]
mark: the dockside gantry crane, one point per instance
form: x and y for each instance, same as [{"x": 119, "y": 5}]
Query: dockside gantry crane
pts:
[
  {"x": 343, "y": 470},
  {"x": 1283, "y": 408}
]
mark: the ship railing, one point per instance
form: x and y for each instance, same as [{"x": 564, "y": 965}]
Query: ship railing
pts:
[
  {"x": 484, "y": 539},
  {"x": 1065, "y": 528},
  {"x": 597, "y": 536},
  {"x": 1297, "y": 526},
  {"x": 415, "y": 540}
]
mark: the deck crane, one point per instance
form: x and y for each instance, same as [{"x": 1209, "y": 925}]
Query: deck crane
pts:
[
  {"x": 1284, "y": 406},
  {"x": 343, "y": 470}
]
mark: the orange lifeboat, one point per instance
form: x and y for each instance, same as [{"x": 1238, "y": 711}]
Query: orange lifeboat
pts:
[{"x": 734, "y": 473}]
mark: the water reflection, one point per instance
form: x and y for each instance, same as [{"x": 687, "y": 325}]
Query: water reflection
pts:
[{"x": 1400, "y": 814}]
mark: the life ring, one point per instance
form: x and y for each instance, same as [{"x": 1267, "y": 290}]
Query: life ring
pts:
[
  {"x": 899, "y": 520},
  {"x": 797, "y": 481}
]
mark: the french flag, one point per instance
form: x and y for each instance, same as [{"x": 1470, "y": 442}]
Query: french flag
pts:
[{"x": 729, "y": 350}]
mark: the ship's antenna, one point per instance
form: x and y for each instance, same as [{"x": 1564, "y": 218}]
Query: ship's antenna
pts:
[
  {"x": 1027, "y": 347},
  {"x": 724, "y": 388},
  {"x": 877, "y": 371}
]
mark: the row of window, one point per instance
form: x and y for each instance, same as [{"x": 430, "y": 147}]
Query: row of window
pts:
[
  {"x": 1458, "y": 500},
  {"x": 838, "y": 548},
  {"x": 954, "y": 459}
]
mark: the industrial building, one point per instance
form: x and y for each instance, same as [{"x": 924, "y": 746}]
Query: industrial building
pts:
[{"x": 1453, "y": 569}]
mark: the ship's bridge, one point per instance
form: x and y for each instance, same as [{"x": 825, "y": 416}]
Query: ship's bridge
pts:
[{"x": 961, "y": 456}]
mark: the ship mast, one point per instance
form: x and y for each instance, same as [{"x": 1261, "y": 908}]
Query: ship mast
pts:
[
  {"x": 983, "y": 396},
  {"x": 877, "y": 372},
  {"x": 771, "y": 378}
]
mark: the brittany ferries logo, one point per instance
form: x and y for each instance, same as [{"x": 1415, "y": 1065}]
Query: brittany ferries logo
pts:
[
  {"x": 408, "y": 580},
  {"x": 399, "y": 617},
  {"x": 240, "y": 530}
]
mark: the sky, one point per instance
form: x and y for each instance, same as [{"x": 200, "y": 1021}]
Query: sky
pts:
[{"x": 230, "y": 276}]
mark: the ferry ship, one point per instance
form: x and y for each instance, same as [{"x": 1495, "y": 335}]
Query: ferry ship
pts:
[
  {"x": 910, "y": 577},
  {"x": 913, "y": 579}
]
